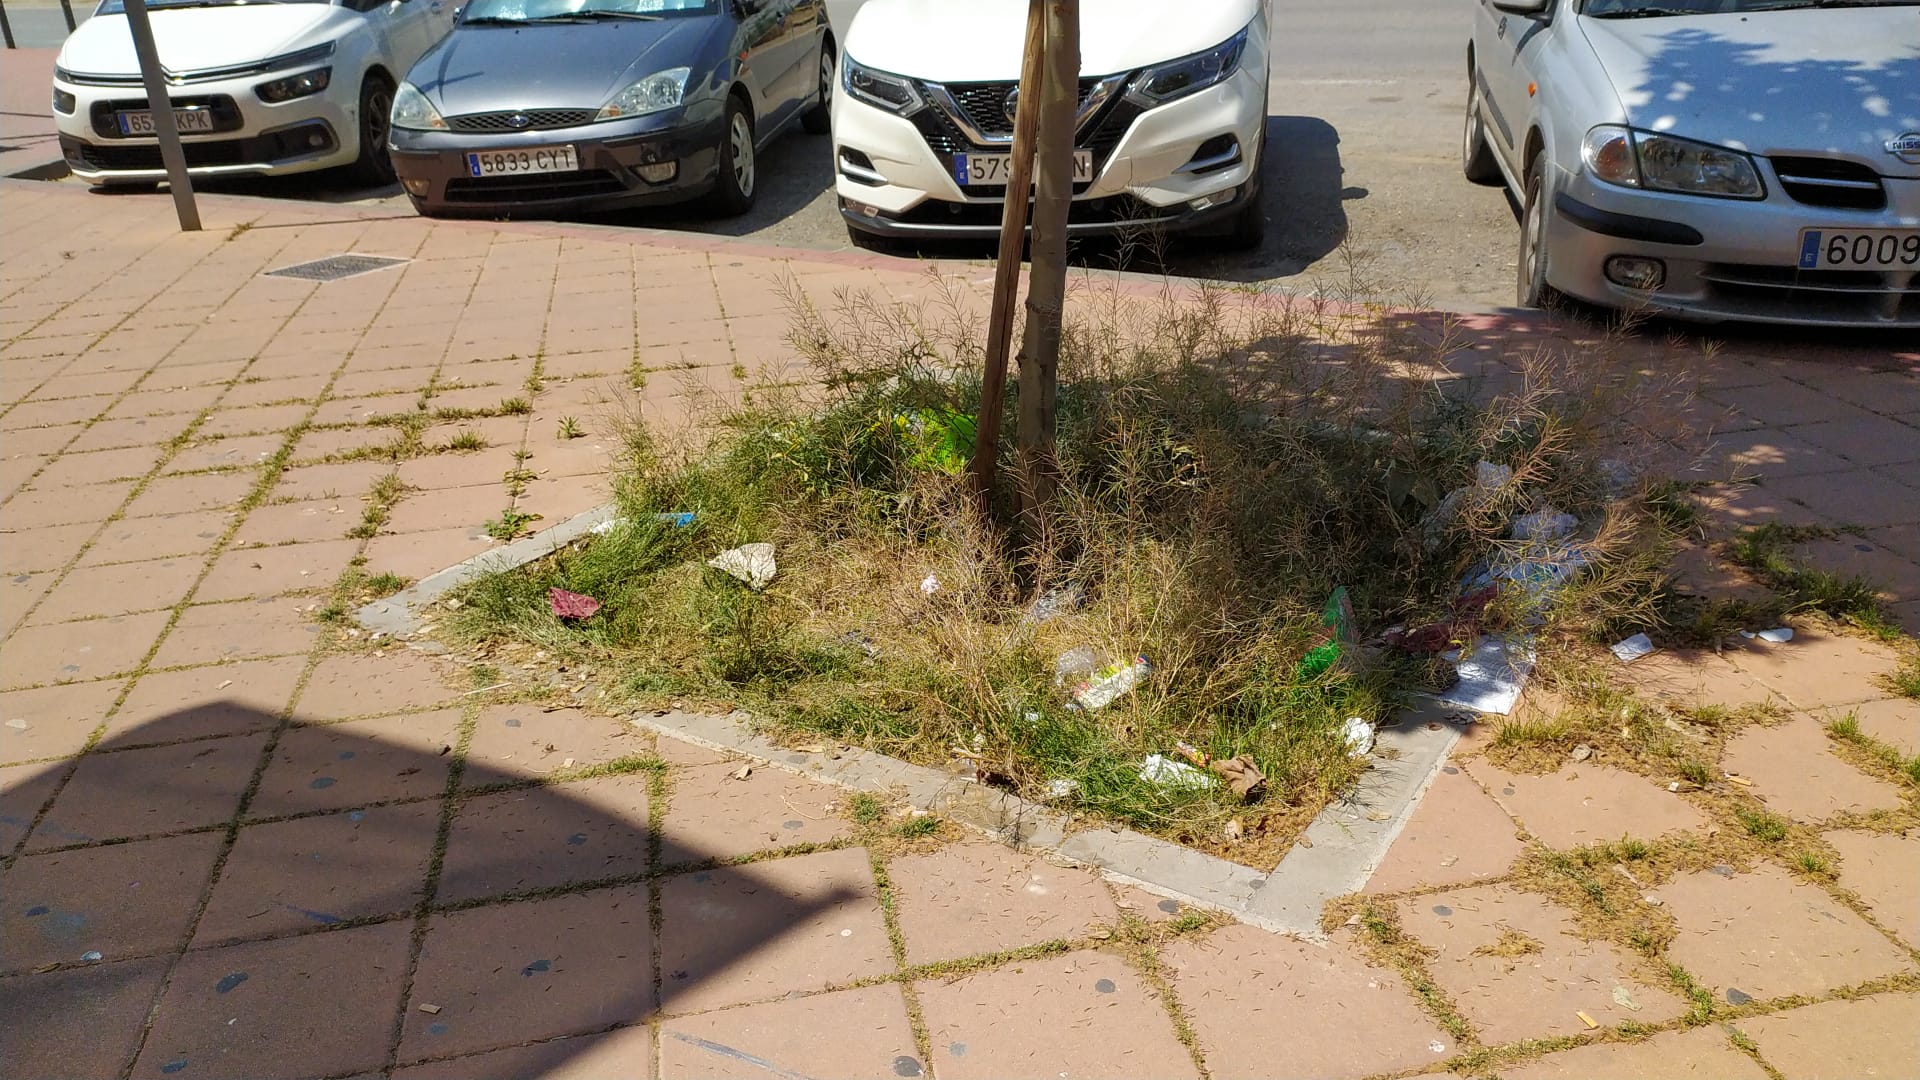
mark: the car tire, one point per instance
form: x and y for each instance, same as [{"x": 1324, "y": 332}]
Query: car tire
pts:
[
  {"x": 819, "y": 119},
  {"x": 1476, "y": 154},
  {"x": 1530, "y": 267},
  {"x": 1249, "y": 228},
  {"x": 734, "y": 188},
  {"x": 374, "y": 166}
]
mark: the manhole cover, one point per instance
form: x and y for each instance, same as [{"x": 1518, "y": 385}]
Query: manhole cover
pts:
[{"x": 335, "y": 267}]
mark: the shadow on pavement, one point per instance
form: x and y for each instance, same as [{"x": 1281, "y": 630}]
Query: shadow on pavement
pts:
[{"x": 371, "y": 901}]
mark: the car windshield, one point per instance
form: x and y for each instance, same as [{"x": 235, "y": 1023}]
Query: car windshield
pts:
[
  {"x": 522, "y": 11},
  {"x": 1635, "y": 9},
  {"x": 115, "y": 7}
]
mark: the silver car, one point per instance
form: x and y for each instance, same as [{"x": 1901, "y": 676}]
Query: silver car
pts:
[{"x": 1708, "y": 159}]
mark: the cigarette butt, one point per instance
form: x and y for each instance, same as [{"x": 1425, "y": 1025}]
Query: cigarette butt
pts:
[{"x": 1587, "y": 1020}]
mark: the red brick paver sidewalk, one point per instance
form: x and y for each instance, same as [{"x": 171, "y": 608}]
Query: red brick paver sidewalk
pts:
[{"x": 233, "y": 849}]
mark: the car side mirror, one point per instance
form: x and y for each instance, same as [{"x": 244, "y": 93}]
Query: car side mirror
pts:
[{"x": 1522, "y": 7}]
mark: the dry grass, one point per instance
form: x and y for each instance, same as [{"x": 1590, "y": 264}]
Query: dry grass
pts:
[{"x": 1224, "y": 464}]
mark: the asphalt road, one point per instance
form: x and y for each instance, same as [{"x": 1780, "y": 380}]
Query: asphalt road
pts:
[{"x": 1364, "y": 192}]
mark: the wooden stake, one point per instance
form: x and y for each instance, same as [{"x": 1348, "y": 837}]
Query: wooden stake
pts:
[
  {"x": 1047, "y": 281},
  {"x": 1006, "y": 272}
]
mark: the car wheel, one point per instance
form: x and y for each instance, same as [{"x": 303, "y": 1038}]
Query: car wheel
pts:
[
  {"x": 734, "y": 188},
  {"x": 1476, "y": 156},
  {"x": 819, "y": 119},
  {"x": 1532, "y": 289},
  {"x": 1249, "y": 228},
  {"x": 374, "y": 167}
]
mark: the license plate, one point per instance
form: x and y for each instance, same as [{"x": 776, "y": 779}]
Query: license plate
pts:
[
  {"x": 1859, "y": 249},
  {"x": 141, "y": 123},
  {"x": 992, "y": 170},
  {"x": 538, "y": 159}
]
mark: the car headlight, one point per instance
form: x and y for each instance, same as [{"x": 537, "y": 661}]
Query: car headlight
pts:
[
  {"x": 63, "y": 102},
  {"x": 294, "y": 86},
  {"x": 1657, "y": 162},
  {"x": 412, "y": 110},
  {"x": 660, "y": 90},
  {"x": 1189, "y": 74},
  {"x": 879, "y": 89}
]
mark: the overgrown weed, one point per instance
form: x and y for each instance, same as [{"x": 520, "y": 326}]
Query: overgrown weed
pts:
[{"x": 1223, "y": 465}]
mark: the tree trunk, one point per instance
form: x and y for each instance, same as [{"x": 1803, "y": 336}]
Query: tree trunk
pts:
[
  {"x": 1047, "y": 284},
  {"x": 1006, "y": 274}
]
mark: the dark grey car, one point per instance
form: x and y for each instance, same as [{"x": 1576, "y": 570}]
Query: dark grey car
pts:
[{"x": 557, "y": 106}]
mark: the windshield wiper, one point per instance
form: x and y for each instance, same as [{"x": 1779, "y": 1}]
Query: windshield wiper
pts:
[
  {"x": 1643, "y": 13},
  {"x": 599, "y": 13},
  {"x": 1792, "y": 4}
]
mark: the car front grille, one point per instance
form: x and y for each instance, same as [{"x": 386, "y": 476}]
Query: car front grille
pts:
[
  {"x": 1834, "y": 182},
  {"x": 534, "y": 187},
  {"x": 507, "y": 123},
  {"x": 226, "y": 114},
  {"x": 1100, "y": 132},
  {"x": 1851, "y": 295},
  {"x": 985, "y": 104},
  {"x": 291, "y": 142}
]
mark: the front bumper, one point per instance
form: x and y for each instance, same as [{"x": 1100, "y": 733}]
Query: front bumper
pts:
[
  {"x": 1727, "y": 260},
  {"x": 250, "y": 137},
  {"x": 433, "y": 167},
  {"x": 1180, "y": 167}
]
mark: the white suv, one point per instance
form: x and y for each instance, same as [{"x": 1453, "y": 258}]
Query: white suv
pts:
[
  {"x": 284, "y": 86},
  {"x": 1172, "y": 122}
]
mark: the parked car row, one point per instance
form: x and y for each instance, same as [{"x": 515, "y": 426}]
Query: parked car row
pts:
[{"x": 1710, "y": 159}]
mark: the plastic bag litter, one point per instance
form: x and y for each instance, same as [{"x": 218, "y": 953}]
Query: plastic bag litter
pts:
[
  {"x": 1166, "y": 772},
  {"x": 1111, "y": 684},
  {"x": 1491, "y": 676},
  {"x": 1543, "y": 525},
  {"x": 1490, "y": 477},
  {"x": 1337, "y": 621},
  {"x": 678, "y": 520},
  {"x": 1487, "y": 479},
  {"x": 1076, "y": 665},
  {"x": 571, "y": 605},
  {"x": 752, "y": 564},
  {"x": 1056, "y": 602},
  {"x": 1062, "y": 789},
  {"x": 1633, "y": 648},
  {"x": 1779, "y": 635},
  {"x": 1358, "y": 736}
]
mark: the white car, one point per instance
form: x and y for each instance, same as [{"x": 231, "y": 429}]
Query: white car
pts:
[
  {"x": 1172, "y": 121},
  {"x": 1754, "y": 160},
  {"x": 284, "y": 86}
]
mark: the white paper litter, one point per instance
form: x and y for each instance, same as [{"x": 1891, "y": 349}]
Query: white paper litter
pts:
[
  {"x": 1358, "y": 735},
  {"x": 929, "y": 586},
  {"x": 1492, "y": 676},
  {"x": 1163, "y": 770},
  {"x": 1779, "y": 635},
  {"x": 749, "y": 563},
  {"x": 1633, "y": 648}
]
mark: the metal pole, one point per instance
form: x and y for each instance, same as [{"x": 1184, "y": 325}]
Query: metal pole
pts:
[
  {"x": 67, "y": 10},
  {"x": 161, "y": 108},
  {"x": 6, "y": 28}
]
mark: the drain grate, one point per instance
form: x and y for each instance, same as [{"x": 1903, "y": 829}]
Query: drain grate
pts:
[{"x": 335, "y": 267}]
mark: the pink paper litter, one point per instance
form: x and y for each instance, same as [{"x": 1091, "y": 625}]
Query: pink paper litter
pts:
[{"x": 571, "y": 605}]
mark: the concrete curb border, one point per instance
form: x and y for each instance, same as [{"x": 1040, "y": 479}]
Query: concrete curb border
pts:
[{"x": 1340, "y": 849}]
